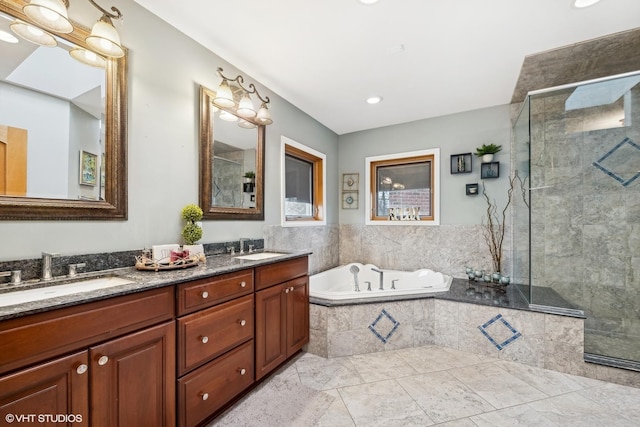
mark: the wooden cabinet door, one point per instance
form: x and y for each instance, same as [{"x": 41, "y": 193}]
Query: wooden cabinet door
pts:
[
  {"x": 57, "y": 387},
  {"x": 297, "y": 314},
  {"x": 133, "y": 379},
  {"x": 271, "y": 329}
]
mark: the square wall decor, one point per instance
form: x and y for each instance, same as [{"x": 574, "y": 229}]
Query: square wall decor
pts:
[
  {"x": 490, "y": 170},
  {"x": 461, "y": 163}
]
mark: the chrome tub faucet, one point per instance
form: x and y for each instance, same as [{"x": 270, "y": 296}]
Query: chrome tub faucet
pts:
[{"x": 381, "y": 288}]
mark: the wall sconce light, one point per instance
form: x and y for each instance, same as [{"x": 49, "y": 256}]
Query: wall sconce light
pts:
[
  {"x": 51, "y": 15},
  {"x": 238, "y": 100}
]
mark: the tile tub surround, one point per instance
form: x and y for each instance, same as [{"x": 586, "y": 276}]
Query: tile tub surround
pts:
[
  {"x": 432, "y": 385},
  {"x": 322, "y": 241},
  {"x": 530, "y": 338},
  {"x": 445, "y": 248}
]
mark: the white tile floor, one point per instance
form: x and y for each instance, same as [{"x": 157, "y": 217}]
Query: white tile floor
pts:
[{"x": 440, "y": 386}]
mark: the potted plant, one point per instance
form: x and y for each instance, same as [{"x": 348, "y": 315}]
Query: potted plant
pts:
[
  {"x": 250, "y": 176},
  {"x": 486, "y": 152},
  {"x": 192, "y": 232}
]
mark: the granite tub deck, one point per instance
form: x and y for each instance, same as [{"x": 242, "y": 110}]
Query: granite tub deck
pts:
[
  {"x": 141, "y": 281},
  {"x": 475, "y": 319}
]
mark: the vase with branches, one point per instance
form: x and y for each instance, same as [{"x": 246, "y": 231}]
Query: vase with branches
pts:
[{"x": 493, "y": 223}]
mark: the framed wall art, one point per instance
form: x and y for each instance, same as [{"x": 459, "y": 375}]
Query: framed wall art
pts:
[
  {"x": 88, "y": 168},
  {"x": 349, "y": 200}
]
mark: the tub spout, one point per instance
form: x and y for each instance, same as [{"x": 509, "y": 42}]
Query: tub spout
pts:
[{"x": 381, "y": 278}]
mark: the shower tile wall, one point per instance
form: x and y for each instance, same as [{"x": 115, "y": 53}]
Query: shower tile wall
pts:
[{"x": 586, "y": 224}]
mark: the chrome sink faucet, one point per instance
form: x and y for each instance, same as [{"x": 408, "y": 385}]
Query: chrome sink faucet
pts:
[
  {"x": 381, "y": 278},
  {"x": 46, "y": 264},
  {"x": 242, "y": 240}
]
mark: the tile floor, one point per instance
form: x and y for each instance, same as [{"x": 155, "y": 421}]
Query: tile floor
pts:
[{"x": 434, "y": 385}]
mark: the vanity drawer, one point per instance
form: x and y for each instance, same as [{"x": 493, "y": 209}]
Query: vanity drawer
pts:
[
  {"x": 209, "y": 333},
  {"x": 208, "y": 292},
  {"x": 272, "y": 274},
  {"x": 204, "y": 391}
]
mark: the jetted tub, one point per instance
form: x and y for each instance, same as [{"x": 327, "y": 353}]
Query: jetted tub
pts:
[{"x": 339, "y": 283}]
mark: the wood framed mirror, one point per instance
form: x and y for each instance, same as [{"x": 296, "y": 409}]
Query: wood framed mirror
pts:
[
  {"x": 70, "y": 164},
  {"x": 231, "y": 150}
]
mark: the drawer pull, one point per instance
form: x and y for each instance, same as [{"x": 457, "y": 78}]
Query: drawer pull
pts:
[
  {"x": 243, "y": 284},
  {"x": 81, "y": 369},
  {"x": 204, "y": 396},
  {"x": 243, "y": 322},
  {"x": 242, "y": 371},
  {"x": 204, "y": 339},
  {"x": 103, "y": 360},
  {"x": 205, "y": 294}
]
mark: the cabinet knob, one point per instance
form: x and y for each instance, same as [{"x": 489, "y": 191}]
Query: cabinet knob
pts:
[
  {"x": 291, "y": 289},
  {"x": 286, "y": 291},
  {"x": 204, "y": 339},
  {"x": 243, "y": 284},
  {"x": 243, "y": 322},
  {"x": 81, "y": 369},
  {"x": 103, "y": 360},
  {"x": 242, "y": 371},
  {"x": 204, "y": 396},
  {"x": 205, "y": 294}
]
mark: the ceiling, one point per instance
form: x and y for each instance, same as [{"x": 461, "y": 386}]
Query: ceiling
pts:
[{"x": 426, "y": 58}]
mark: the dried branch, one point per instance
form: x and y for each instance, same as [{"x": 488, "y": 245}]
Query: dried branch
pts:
[{"x": 494, "y": 227}]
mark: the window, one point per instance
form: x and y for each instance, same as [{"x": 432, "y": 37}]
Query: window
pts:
[
  {"x": 303, "y": 185},
  {"x": 403, "y": 188}
]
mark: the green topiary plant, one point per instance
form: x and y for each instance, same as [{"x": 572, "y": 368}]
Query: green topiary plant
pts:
[
  {"x": 488, "y": 149},
  {"x": 191, "y": 232}
]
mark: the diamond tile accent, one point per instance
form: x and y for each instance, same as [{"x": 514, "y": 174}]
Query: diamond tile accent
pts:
[
  {"x": 384, "y": 322},
  {"x": 495, "y": 332},
  {"x": 622, "y": 162}
]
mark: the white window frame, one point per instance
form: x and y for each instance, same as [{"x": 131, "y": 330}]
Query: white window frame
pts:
[
  {"x": 399, "y": 156},
  {"x": 284, "y": 141}
]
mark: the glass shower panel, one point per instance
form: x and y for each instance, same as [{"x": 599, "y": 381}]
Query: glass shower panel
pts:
[
  {"x": 585, "y": 207},
  {"x": 521, "y": 144}
]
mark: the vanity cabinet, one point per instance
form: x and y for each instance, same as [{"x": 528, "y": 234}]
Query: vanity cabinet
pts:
[
  {"x": 215, "y": 343},
  {"x": 60, "y": 386},
  {"x": 282, "y": 313},
  {"x": 121, "y": 370}
]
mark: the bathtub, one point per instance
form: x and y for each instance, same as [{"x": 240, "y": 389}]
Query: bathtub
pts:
[{"x": 338, "y": 284}]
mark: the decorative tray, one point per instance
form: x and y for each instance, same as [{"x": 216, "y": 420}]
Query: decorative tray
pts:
[{"x": 172, "y": 263}]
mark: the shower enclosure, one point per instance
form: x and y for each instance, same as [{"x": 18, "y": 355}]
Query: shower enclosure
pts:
[{"x": 577, "y": 224}]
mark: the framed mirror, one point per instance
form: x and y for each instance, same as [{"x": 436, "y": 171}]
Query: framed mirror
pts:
[
  {"x": 63, "y": 128},
  {"x": 231, "y": 163}
]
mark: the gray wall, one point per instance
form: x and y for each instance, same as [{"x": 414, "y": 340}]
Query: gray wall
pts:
[
  {"x": 165, "y": 71},
  {"x": 458, "y": 240}
]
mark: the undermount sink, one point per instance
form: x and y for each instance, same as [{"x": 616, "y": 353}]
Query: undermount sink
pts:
[
  {"x": 54, "y": 291},
  {"x": 259, "y": 256}
]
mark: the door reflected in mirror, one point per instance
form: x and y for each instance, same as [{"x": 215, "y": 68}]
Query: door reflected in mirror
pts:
[{"x": 231, "y": 163}]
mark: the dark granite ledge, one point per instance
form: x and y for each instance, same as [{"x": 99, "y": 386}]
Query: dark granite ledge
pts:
[
  {"x": 142, "y": 281},
  {"x": 462, "y": 290}
]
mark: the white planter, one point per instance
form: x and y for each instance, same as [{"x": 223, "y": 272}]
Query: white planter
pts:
[{"x": 487, "y": 158}]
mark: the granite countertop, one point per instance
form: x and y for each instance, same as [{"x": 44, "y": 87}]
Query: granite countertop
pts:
[{"x": 142, "y": 281}]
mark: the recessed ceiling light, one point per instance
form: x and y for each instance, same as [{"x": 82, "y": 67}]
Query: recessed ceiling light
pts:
[
  {"x": 368, "y": 1},
  {"x": 6, "y": 37},
  {"x": 374, "y": 99},
  {"x": 584, "y": 3}
]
